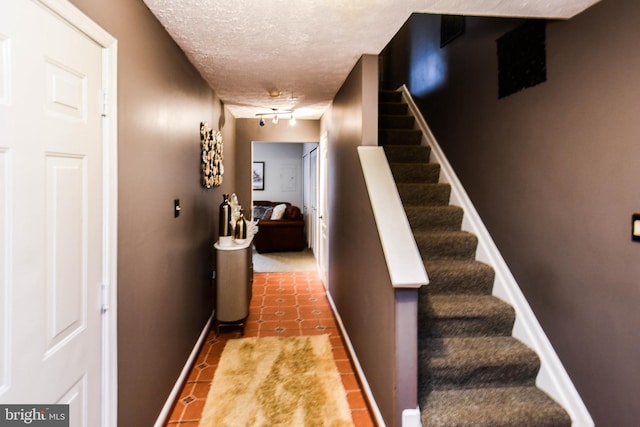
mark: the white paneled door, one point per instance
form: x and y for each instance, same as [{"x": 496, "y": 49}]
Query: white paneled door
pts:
[{"x": 52, "y": 217}]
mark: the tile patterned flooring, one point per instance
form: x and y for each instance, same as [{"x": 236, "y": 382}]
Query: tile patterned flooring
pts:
[{"x": 283, "y": 304}]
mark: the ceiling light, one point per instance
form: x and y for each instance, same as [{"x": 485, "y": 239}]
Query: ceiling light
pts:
[
  {"x": 292, "y": 120},
  {"x": 274, "y": 115},
  {"x": 292, "y": 100},
  {"x": 274, "y": 93}
]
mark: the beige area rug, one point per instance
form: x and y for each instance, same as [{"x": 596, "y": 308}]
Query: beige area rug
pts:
[
  {"x": 275, "y": 381},
  {"x": 284, "y": 261}
]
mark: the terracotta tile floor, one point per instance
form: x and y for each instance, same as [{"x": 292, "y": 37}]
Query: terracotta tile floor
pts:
[{"x": 283, "y": 304}]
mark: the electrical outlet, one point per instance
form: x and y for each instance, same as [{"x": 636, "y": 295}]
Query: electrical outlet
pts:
[{"x": 635, "y": 227}]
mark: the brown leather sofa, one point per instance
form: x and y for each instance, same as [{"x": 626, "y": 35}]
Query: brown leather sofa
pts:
[{"x": 278, "y": 235}]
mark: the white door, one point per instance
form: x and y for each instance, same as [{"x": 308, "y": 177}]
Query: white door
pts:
[
  {"x": 312, "y": 222},
  {"x": 306, "y": 199},
  {"x": 323, "y": 209},
  {"x": 51, "y": 214}
]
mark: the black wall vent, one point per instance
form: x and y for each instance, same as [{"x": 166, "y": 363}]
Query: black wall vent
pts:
[{"x": 522, "y": 59}]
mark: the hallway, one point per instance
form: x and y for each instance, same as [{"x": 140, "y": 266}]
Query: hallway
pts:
[{"x": 283, "y": 304}]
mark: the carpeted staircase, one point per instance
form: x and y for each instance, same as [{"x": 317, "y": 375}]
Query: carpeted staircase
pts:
[{"x": 472, "y": 372}]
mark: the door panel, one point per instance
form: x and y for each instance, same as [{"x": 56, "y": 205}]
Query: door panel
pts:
[{"x": 66, "y": 249}]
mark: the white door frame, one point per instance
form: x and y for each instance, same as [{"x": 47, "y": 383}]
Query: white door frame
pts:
[{"x": 85, "y": 25}]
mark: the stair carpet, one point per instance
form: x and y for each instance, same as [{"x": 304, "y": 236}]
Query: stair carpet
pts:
[{"x": 472, "y": 372}]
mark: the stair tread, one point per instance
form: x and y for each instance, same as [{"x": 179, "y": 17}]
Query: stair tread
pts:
[
  {"x": 492, "y": 407},
  {"x": 437, "y": 234},
  {"x": 447, "y": 266},
  {"x": 401, "y": 130},
  {"x": 431, "y": 208}
]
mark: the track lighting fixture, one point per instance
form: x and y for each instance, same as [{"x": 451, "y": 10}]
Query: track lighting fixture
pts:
[
  {"x": 292, "y": 120},
  {"x": 275, "y": 115}
]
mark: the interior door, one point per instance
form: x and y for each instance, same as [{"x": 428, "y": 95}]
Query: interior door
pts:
[
  {"x": 313, "y": 197},
  {"x": 323, "y": 209},
  {"x": 51, "y": 217},
  {"x": 306, "y": 199}
]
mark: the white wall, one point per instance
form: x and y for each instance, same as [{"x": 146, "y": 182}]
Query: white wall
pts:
[{"x": 283, "y": 181}]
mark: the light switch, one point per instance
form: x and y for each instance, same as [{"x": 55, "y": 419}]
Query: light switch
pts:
[
  {"x": 635, "y": 227},
  {"x": 176, "y": 208}
]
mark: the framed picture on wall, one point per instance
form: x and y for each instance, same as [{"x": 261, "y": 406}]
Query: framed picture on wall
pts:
[{"x": 258, "y": 175}]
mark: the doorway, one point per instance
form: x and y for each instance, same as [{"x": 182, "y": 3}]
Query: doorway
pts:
[{"x": 290, "y": 175}]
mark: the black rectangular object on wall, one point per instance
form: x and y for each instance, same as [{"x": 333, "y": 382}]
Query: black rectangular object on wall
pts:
[{"x": 522, "y": 59}]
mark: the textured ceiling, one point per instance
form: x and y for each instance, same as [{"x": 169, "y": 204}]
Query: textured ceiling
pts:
[{"x": 305, "y": 48}]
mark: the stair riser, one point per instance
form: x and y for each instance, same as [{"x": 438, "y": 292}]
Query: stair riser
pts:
[
  {"x": 512, "y": 375},
  {"x": 393, "y": 108},
  {"x": 399, "y": 137},
  {"x": 396, "y": 122},
  {"x": 445, "y": 218},
  {"x": 464, "y": 327},
  {"x": 415, "y": 173},
  {"x": 456, "y": 281},
  {"x": 491, "y": 407},
  {"x": 389, "y": 96},
  {"x": 424, "y": 195},
  {"x": 407, "y": 153}
]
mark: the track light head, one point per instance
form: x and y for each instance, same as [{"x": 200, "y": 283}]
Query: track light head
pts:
[{"x": 261, "y": 121}]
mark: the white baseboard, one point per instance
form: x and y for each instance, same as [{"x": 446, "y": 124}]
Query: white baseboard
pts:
[
  {"x": 375, "y": 411},
  {"x": 411, "y": 418},
  {"x": 175, "y": 392}
]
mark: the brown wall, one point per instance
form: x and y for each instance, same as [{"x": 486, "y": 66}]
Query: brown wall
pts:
[
  {"x": 359, "y": 281},
  {"x": 554, "y": 172},
  {"x": 164, "y": 264},
  {"x": 248, "y": 131}
]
